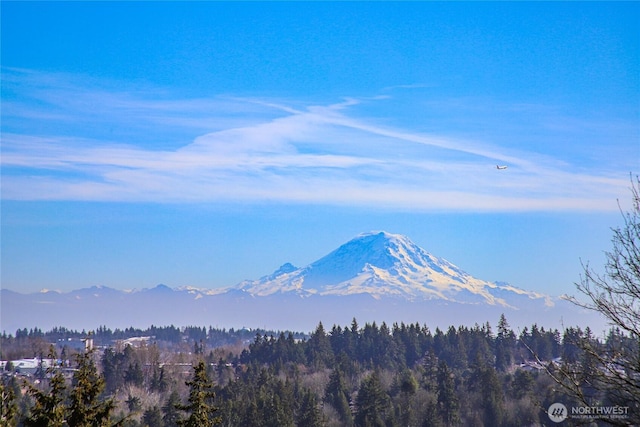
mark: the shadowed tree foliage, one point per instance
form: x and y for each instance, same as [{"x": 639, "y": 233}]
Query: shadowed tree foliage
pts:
[
  {"x": 407, "y": 386},
  {"x": 170, "y": 412},
  {"x": 49, "y": 408},
  {"x": 337, "y": 395},
  {"x": 152, "y": 417},
  {"x": 373, "y": 403},
  {"x": 484, "y": 381},
  {"x": 448, "y": 404},
  {"x": 8, "y": 406},
  {"x": 309, "y": 413}
]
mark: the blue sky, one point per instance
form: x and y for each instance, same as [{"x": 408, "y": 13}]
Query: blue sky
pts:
[{"x": 206, "y": 143}]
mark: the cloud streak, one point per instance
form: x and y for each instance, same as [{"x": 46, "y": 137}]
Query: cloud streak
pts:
[{"x": 264, "y": 151}]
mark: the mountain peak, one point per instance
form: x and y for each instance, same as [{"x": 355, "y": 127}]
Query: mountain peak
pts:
[
  {"x": 377, "y": 263},
  {"x": 161, "y": 288},
  {"x": 381, "y": 237},
  {"x": 375, "y": 248},
  {"x": 378, "y": 234},
  {"x": 383, "y": 264},
  {"x": 285, "y": 268}
]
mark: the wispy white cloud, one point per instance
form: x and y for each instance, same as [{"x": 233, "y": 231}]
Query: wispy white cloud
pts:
[{"x": 264, "y": 150}]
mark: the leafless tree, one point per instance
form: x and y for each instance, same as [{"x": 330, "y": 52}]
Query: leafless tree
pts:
[
  {"x": 608, "y": 372},
  {"x": 616, "y": 294}
]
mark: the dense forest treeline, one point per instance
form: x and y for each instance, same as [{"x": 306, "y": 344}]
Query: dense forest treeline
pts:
[
  {"x": 403, "y": 375},
  {"x": 34, "y": 342}
]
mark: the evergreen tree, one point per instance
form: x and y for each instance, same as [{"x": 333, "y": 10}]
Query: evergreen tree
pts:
[
  {"x": 319, "y": 351},
  {"x": 133, "y": 375},
  {"x": 110, "y": 370},
  {"x": 352, "y": 337},
  {"x": 200, "y": 407},
  {"x": 505, "y": 343},
  {"x": 49, "y": 408},
  {"x": 8, "y": 407},
  {"x": 407, "y": 339},
  {"x": 448, "y": 405},
  {"x": 133, "y": 403},
  {"x": 152, "y": 417},
  {"x": 522, "y": 383},
  {"x": 439, "y": 344},
  {"x": 170, "y": 413},
  {"x": 373, "y": 403},
  {"x": 430, "y": 417},
  {"x": 86, "y": 408},
  {"x": 309, "y": 415},
  {"x": 430, "y": 371},
  {"x": 485, "y": 383},
  {"x": 407, "y": 385},
  {"x": 455, "y": 354},
  {"x": 275, "y": 402},
  {"x": 159, "y": 380},
  {"x": 337, "y": 395}
]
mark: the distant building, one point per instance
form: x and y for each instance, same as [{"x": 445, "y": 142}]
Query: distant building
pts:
[
  {"x": 88, "y": 343},
  {"x": 73, "y": 343},
  {"x": 28, "y": 366},
  {"x": 134, "y": 342}
]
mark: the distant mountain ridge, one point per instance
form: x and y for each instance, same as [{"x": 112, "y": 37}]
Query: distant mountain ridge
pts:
[{"x": 376, "y": 276}]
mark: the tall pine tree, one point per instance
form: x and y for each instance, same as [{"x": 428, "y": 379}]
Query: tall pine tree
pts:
[
  {"x": 373, "y": 403},
  {"x": 49, "y": 409},
  {"x": 309, "y": 414},
  {"x": 86, "y": 408},
  {"x": 200, "y": 407},
  {"x": 448, "y": 405},
  {"x": 170, "y": 412},
  {"x": 337, "y": 395}
]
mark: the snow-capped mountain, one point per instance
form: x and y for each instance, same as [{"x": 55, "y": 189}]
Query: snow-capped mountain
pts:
[
  {"x": 382, "y": 264},
  {"x": 376, "y": 276}
]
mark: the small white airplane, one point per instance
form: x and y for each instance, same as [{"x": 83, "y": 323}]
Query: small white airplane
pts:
[{"x": 501, "y": 167}]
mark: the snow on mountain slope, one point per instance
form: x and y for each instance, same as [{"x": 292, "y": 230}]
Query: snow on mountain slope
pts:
[
  {"x": 383, "y": 264},
  {"x": 285, "y": 279}
]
